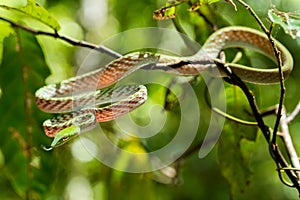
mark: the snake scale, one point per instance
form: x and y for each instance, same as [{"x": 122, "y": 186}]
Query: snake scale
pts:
[{"x": 88, "y": 98}]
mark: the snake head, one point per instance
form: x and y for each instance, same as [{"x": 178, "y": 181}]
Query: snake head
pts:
[{"x": 63, "y": 136}]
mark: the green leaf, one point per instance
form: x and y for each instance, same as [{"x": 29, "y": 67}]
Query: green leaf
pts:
[
  {"x": 14, "y": 3},
  {"x": 34, "y": 10},
  {"x": 22, "y": 71},
  {"x": 197, "y": 5},
  {"x": 5, "y": 31},
  {"x": 237, "y": 144},
  {"x": 290, "y": 22},
  {"x": 166, "y": 12},
  {"x": 210, "y": 1},
  {"x": 213, "y": 1}
]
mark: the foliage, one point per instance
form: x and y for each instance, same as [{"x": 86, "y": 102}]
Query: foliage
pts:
[
  {"x": 288, "y": 21},
  {"x": 34, "y": 10},
  {"x": 239, "y": 166}
]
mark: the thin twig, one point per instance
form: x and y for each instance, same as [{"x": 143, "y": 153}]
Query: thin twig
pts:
[
  {"x": 274, "y": 149},
  {"x": 295, "y": 112},
  {"x": 251, "y": 99},
  {"x": 252, "y": 12},
  {"x": 69, "y": 40},
  {"x": 286, "y": 137},
  {"x": 279, "y": 62},
  {"x": 285, "y": 134},
  {"x": 282, "y": 86}
]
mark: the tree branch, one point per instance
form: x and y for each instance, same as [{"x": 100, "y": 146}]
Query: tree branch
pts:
[
  {"x": 274, "y": 149},
  {"x": 285, "y": 134},
  {"x": 295, "y": 112},
  {"x": 279, "y": 62},
  {"x": 101, "y": 48}
]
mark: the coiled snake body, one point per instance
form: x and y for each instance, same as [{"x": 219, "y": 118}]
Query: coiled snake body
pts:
[{"x": 81, "y": 97}]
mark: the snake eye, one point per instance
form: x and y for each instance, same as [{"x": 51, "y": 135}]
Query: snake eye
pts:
[
  {"x": 66, "y": 138},
  {"x": 62, "y": 140}
]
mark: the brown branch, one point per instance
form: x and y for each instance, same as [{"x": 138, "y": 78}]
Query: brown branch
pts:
[
  {"x": 101, "y": 48},
  {"x": 274, "y": 149},
  {"x": 286, "y": 137},
  {"x": 282, "y": 86},
  {"x": 279, "y": 62}
]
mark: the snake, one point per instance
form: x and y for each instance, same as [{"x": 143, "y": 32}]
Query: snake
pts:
[{"x": 93, "y": 97}]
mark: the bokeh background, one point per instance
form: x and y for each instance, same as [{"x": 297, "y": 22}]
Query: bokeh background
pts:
[{"x": 70, "y": 172}]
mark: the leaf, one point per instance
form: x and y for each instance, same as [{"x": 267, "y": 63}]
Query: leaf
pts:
[
  {"x": 22, "y": 71},
  {"x": 237, "y": 144},
  {"x": 5, "y": 31},
  {"x": 34, "y": 10},
  {"x": 208, "y": 1},
  {"x": 290, "y": 22},
  {"x": 198, "y": 4},
  {"x": 166, "y": 12},
  {"x": 14, "y": 3},
  {"x": 213, "y": 1},
  {"x": 195, "y": 6}
]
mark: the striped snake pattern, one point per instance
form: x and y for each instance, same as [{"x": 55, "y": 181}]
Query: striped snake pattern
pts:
[{"x": 89, "y": 98}]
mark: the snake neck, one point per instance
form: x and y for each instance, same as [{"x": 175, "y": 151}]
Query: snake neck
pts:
[{"x": 236, "y": 36}]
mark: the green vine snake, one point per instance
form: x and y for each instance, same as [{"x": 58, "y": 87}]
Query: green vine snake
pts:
[{"x": 87, "y": 99}]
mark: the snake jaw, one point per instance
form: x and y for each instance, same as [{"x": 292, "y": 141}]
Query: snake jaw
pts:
[
  {"x": 46, "y": 148},
  {"x": 65, "y": 135},
  {"x": 62, "y": 137}
]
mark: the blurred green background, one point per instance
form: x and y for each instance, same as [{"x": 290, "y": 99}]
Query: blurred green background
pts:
[{"x": 70, "y": 172}]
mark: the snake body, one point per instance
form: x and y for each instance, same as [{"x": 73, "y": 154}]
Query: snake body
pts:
[{"x": 81, "y": 97}]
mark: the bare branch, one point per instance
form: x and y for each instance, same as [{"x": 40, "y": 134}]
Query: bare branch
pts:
[
  {"x": 295, "y": 112},
  {"x": 279, "y": 62},
  {"x": 101, "y": 48},
  {"x": 285, "y": 134},
  {"x": 275, "y": 152}
]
